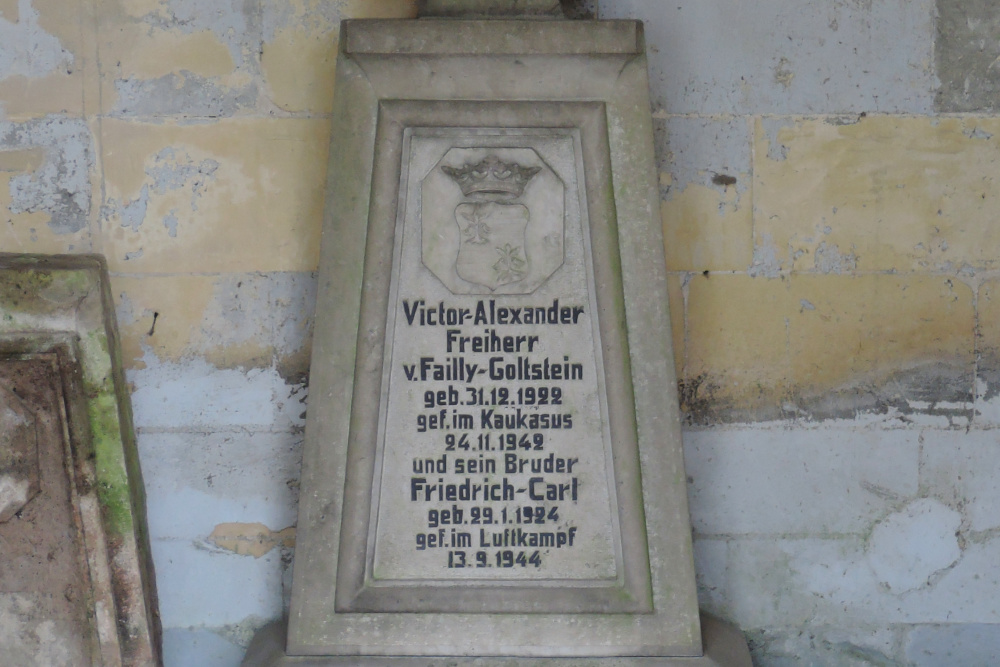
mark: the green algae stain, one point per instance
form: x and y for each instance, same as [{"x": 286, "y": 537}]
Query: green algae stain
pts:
[
  {"x": 112, "y": 478},
  {"x": 19, "y": 288},
  {"x": 97, "y": 371}
]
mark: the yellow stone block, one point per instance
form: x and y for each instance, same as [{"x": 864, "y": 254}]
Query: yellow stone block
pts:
[
  {"x": 9, "y": 10},
  {"x": 860, "y": 330},
  {"x": 883, "y": 193},
  {"x": 29, "y": 231},
  {"x": 756, "y": 344},
  {"x": 178, "y": 303},
  {"x": 136, "y": 51},
  {"x": 299, "y": 65},
  {"x": 737, "y": 342},
  {"x": 179, "y": 316},
  {"x": 675, "y": 298},
  {"x": 229, "y": 196},
  {"x": 299, "y": 62},
  {"x": 162, "y": 60},
  {"x": 988, "y": 306},
  {"x": 705, "y": 229},
  {"x": 55, "y": 65}
]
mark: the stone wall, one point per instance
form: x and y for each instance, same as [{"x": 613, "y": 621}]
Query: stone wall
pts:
[{"x": 828, "y": 189}]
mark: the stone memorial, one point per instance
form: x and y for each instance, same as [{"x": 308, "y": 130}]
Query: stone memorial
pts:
[
  {"x": 76, "y": 586},
  {"x": 493, "y": 470}
]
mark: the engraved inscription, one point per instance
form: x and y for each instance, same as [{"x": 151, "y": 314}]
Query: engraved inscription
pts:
[{"x": 493, "y": 448}]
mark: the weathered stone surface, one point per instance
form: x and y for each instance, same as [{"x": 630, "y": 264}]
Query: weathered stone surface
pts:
[
  {"x": 960, "y": 467},
  {"x": 705, "y": 187},
  {"x": 806, "y": 346},
  {"x": 75, "y": 588},
  {"x": 965, "y": 55},
  {"x": 842, "y": 483},
  {"x": 188, "y": 172},
  {"x": 19, "y": 481},
  {"x": 839, "y": 195},
  {"x": 953, "y": 644},
  {"x": 909, "y": 547},
  {"x": 827, "y": 646},
  {"x": 796, "y": 581},
  {"x": 776, "y": 57}
]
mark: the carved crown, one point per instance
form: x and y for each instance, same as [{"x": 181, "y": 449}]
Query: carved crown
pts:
[{"x": 492, "y": 178}]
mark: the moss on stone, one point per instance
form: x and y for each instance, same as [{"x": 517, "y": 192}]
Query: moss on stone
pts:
[
  {"x": 112, "y": 479},
  {"x": 17, "y": 287}
]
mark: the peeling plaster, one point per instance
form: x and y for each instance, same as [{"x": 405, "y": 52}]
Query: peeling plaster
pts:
[
  {"x": 236, "y": 25},
  {"x": 977, "y": 133},
  {"x": 702, "y": 151},
  {"x": 765, "y": 259},
  {"x": 196, "y": 394},
  {"x": 125, "y": 312},
  {"x": 318, "y": 17},
  {"x": 60, "y": 186},
  {"x": 772, "y": 126},
  {"x": 230, "y": 20},
  {"x": 171, "y": 170},
  {"x": 133, "y": 211},
  {"x": 934, "y": 394},
  {"x": 251, "y": 539},
  {"x": 829, "y": 259},
  {"x": 848, "y": 56},
  {"x": 181, "y": 94},
  {"x": 269, "y": 308},
  {"x": 26, "y": 49},
  {"x": 199, "y": 646}
]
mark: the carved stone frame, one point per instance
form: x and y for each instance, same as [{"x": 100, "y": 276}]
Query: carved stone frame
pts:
[
  {"x": 58, "y": 309},
  {"x": 356, "y": 593}
]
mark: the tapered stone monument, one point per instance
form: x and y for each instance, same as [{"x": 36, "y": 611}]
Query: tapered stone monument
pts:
[{"x": 493, "y": 471}]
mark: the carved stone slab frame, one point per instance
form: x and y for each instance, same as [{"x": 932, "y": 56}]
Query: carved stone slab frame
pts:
[
  {"x": 397, "y": 78},
  {"x": 584, "y": 123},
  {"x": 57, "y": 328}
]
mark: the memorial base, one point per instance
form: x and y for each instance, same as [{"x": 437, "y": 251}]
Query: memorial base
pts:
[{"x": 723, "y": 643}]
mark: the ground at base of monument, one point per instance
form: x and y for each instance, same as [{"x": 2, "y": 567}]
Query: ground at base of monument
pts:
[{"x": 724, "y": 645}]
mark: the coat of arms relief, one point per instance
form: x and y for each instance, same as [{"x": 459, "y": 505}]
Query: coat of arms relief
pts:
[{"x": 492, "y": 220}]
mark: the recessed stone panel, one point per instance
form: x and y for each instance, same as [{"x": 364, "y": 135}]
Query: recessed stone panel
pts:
[{"x": 494, "y": 429}]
